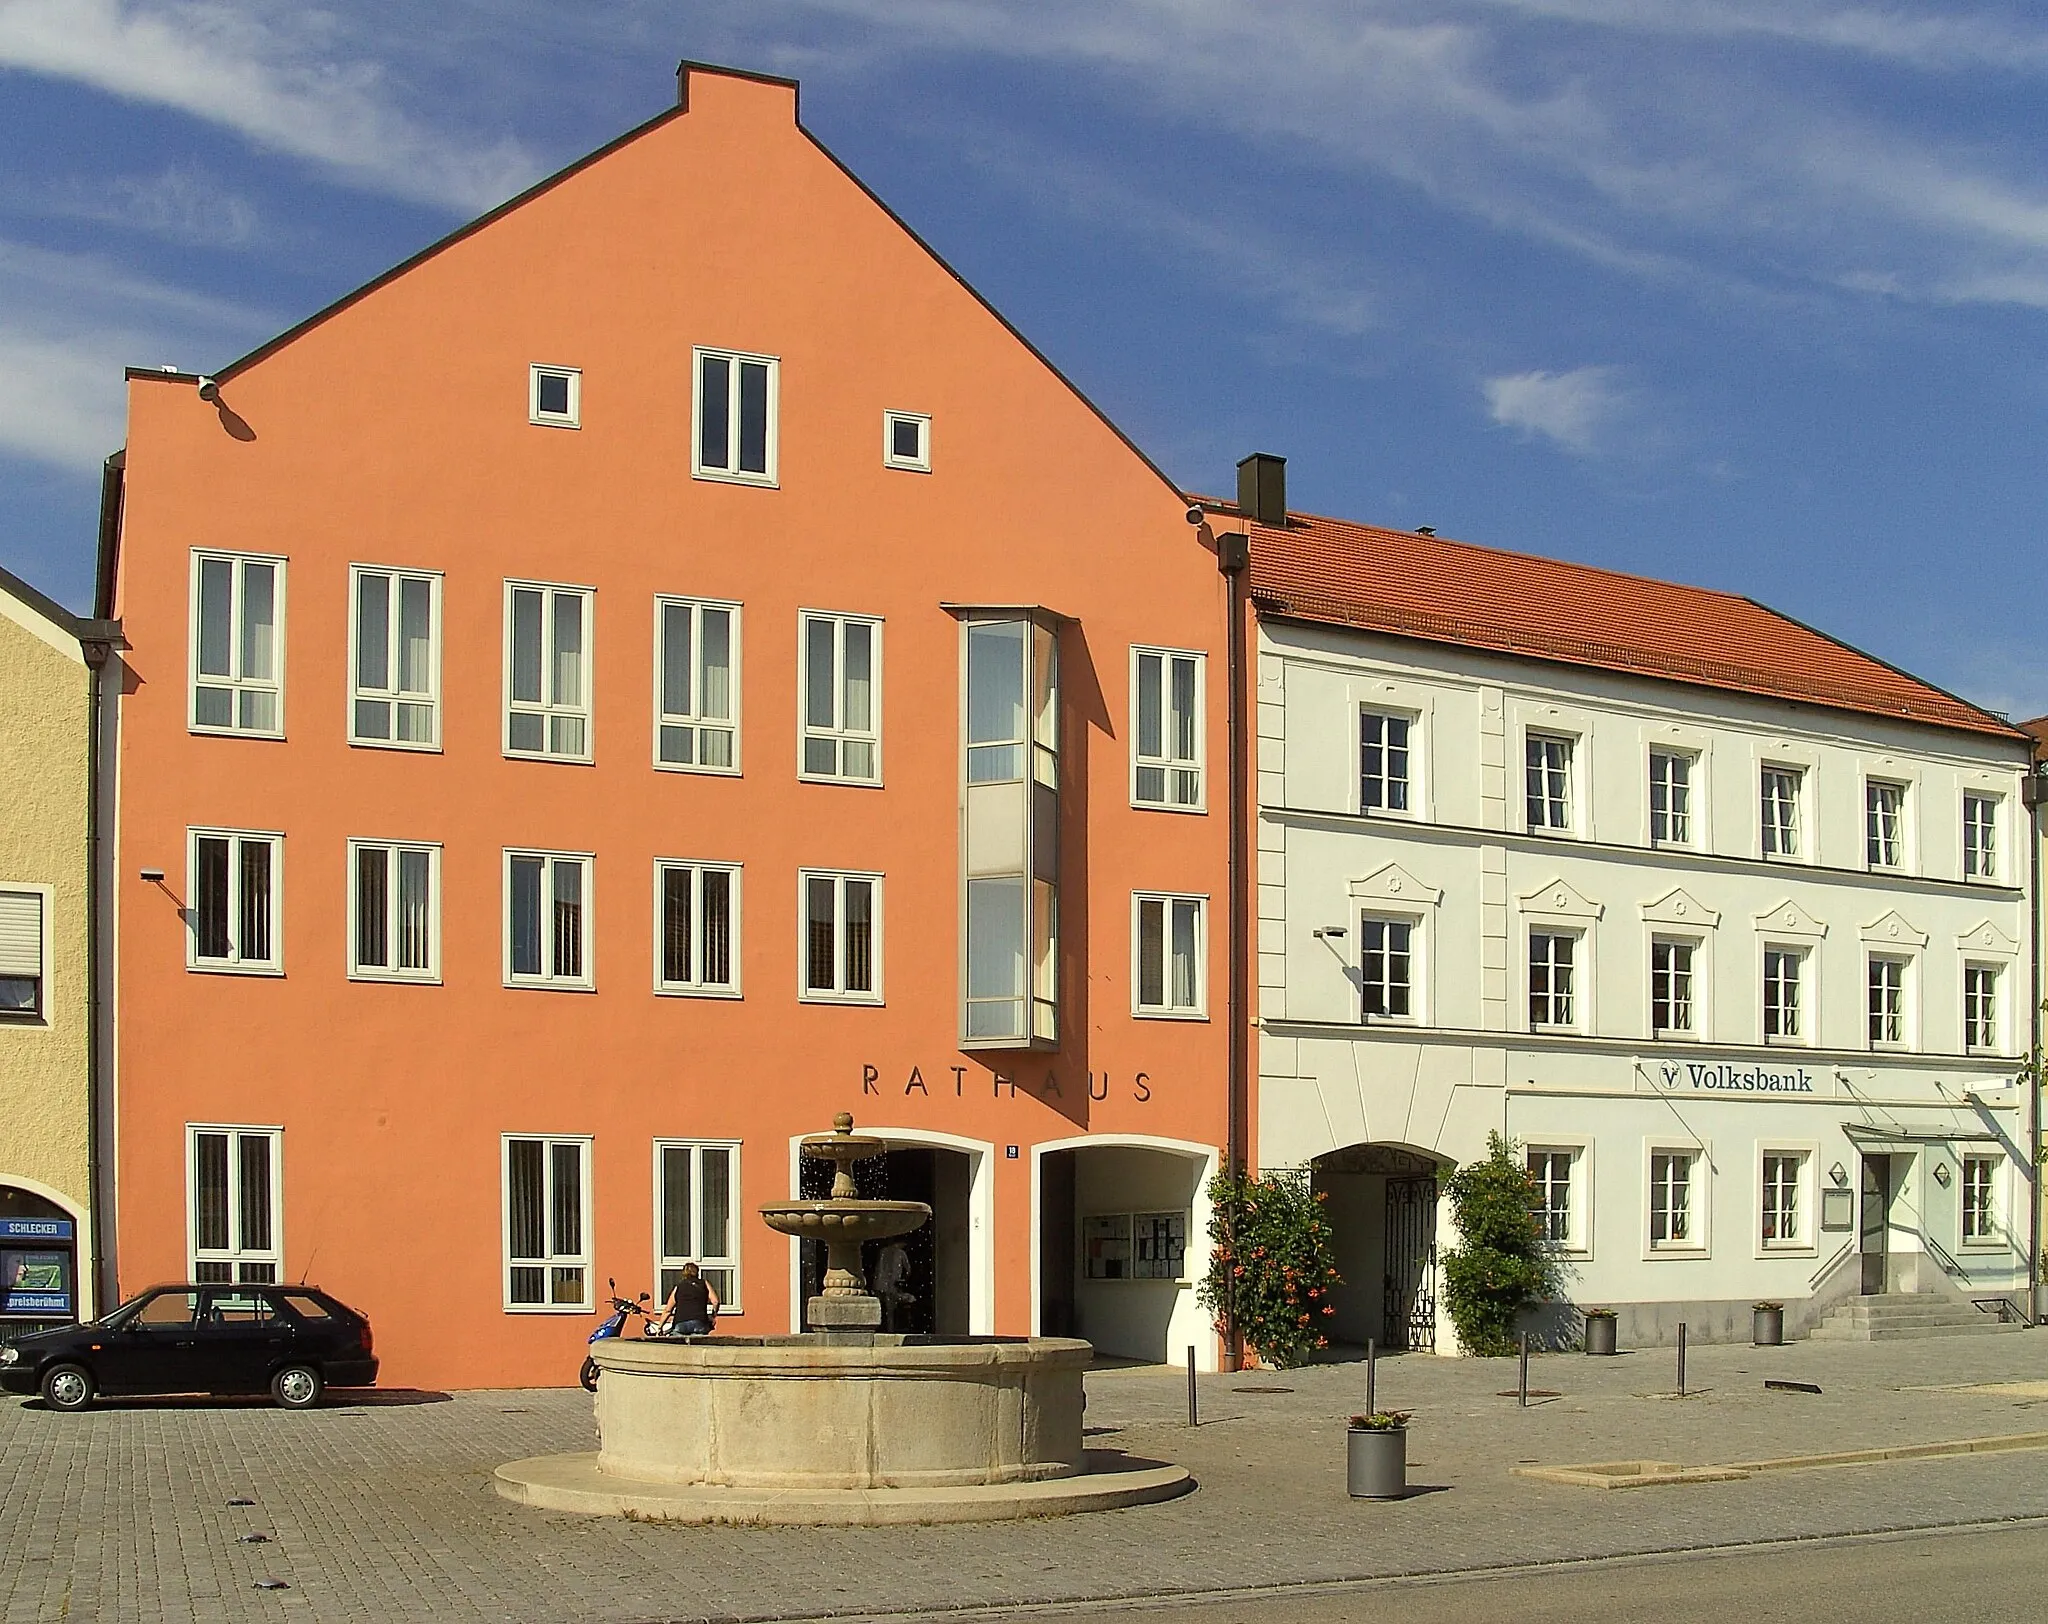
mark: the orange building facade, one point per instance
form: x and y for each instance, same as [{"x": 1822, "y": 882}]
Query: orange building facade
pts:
[{"x": 613, "y": 693}]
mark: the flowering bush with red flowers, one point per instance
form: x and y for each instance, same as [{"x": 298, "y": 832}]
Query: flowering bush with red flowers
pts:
[{"x": 1271, "y": 1264}]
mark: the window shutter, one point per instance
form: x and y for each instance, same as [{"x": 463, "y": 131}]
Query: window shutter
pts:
[{"x": 21, "y": 933}]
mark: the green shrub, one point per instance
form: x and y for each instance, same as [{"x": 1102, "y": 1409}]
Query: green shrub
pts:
[
  {"x": 1502, "y": 1264},
  {"x": 1271, "y": 1264}
]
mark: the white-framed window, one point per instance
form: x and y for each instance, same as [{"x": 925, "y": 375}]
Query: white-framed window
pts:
[
  {"x": 547, "y": 1223},
  {"x": 1671, "y": 987},
  {"x": 696, "y": 1215},
  {"x": 22, "y": 914},
  {"x": 1886, "y": 984},
  {"x": 1386, "y": 959},
  {"x": 697, "y": 928},
  {"x": 1979, "y": 1200},
  {"x": 842, "y": 940},
  {"x": 1169, "y": 955},
  {"x": 548, "y": 633},
  {"x": 1884, "y": 823},
  {"x": 1784, "y": 995},
  {"x": 697, "y": 685},
  {"x": 840, "y": 731},
  {"x": 554, "y": 396},
  {"x": 1980, "y": 837},
  {"x": 234, "y": 1203},
  {"x": 1553, "y": 964},
  {"x": 1783, "y": 1221},
  {"x": 1674, "y": 1201},
  {"x": 1779, "y": 812},
  {"x": 394, "y": 910},
  {"x": 1547, "y": 763},
  {"x": 395, "y": 670},
  {"x": 1167, "y": 704},
  {"x": 237, "y": 643},
  {"x": 547, "y": 919},
  {"x": 1981, "y": 1009},
  {"x": 1671, "y": 775},
  {"x": 907, "y": 441},
  {"x": 737, "y": 406},
  {"x": 1556, "y": 1173},
  {"x": 1383, "y": 762},
  {"x": 235, "y": 880}
]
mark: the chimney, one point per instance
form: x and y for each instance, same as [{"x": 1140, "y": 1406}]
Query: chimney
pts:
[{"x": 1262, "y": 489}]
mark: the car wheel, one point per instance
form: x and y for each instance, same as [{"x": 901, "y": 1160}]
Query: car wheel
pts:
[
  {"x": 297, "y": 1387},
  {"x": 588, "y": 1375},
  {"x": 67, "y": 1387}
]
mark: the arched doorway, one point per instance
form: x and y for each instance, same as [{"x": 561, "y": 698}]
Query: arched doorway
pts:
[
  {"x": 1382, "y": 1207},
  {"x": 39, "y": 1283}
]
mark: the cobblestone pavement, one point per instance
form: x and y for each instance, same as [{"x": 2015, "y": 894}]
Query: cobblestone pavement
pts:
[{"x": 384, "y": 1510}]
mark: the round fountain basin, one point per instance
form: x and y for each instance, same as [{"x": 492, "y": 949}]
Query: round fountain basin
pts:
[
  {"x": 852, "y": 1412},
  {"x": 845, "y": 1220}
]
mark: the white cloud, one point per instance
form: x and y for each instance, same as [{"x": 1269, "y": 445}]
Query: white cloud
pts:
[
  {"x": 270, "y": 74},
  {"x": 181, "y": 205},
  {"x": 62, "y": 404},
  {"x": 1572, "y": 409}
]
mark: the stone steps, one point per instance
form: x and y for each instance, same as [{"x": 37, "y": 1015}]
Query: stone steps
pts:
[{"x": 1902, "y": 1315}]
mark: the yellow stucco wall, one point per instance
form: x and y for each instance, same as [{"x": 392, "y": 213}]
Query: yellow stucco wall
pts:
[{"x": 45, "y": 742}]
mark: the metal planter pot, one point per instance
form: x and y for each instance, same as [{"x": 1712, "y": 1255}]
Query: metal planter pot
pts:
[
  {"x": 1767, "y": 1327},
  {"x": 1600, "y": 1333},
  {"x": 1376, "y": 1463}
]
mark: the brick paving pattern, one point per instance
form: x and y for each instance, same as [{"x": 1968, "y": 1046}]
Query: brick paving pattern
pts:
[{"x": 384, "y": 1510}]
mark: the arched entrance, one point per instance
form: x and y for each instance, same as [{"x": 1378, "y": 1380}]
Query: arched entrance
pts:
[
  {"x": 1382, "y": 1206},
  {"x": 39, "y": 1282}
]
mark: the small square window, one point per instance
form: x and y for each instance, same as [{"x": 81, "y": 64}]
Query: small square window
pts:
[
  {"x": 555, "y": 397},
  {"x": 907, "y": 441}
]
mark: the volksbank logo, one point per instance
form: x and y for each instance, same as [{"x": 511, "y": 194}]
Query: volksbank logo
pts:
[{"x": 1708, "y": 1077}]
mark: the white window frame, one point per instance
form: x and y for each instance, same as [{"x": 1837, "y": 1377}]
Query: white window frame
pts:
[
  {"x": 1994, "y": 1025},
  {"x": 1169, "y": 1010},
  {"x": 1386, "y": 780},
  {"x": 1994, "y": 1206},
  {"x": 537, "y": 414},
  {"x": 234, "y": 963},
  {"x": 1905, "y": 965},
  {"x": 430, "y": 697},
  {"x": 730, "y": 1302},
  {"x": 695, "y": 719},
  {"x": 1987, "y": 853},
  {"x": 238, "y": 683},
  {"x": 838, "y": 732},
  {"x": 564, "y": 1260},
  {"x": 1902, "y": 830},
  {"x": 1805, "y": 1198},
  {"x": 1696, "y": 984},
  {"x": 547, "y": 979},
  {"x": 772, "y": 438},
  {"x": 546, "y": 708},
  {"x": 39, "y": 1018},
  {"x": 1164, "y": 764},
  {"x": 234, "y": 1255},
  {"x": 1569, "y": 745},
  {"x": 834, "y": 995},
  {"x": 1805, "y": 1004},
  {"x": 921, "y": 463},
  {"x": 1576, "y": 1242},
  {"x": 1690, "y": 761},
  {"x": 1413, "y": 925},
  {"x": 1578, "y": 985},
  {"x": 1699, "y": 1186},
  {"x": 697, "y": 868},
  {"x": 1769, "y": 831},
  {"x": 358, "y": 971}
]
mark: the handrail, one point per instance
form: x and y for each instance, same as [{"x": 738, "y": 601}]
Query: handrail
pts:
[
  {"x": 1940, "y": 1255},
  {"x": 2003, "y": 1307},
  {"x": 1828, "y": 1267}
]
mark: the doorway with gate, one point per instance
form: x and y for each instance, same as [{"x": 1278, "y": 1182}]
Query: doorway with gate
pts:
[
  {"x": 925, "y": 1279},
  {"x": 1879, "y": 1187},
  {"x": 1381, "y": 1202}
]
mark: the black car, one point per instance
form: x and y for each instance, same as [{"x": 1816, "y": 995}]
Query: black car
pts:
[{"x": 294, "y": 1341}]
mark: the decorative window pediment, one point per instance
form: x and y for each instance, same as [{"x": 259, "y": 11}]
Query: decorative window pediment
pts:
[
  {"x": 1396, "y": 887},
  {"x": 1892, "y": 929},
  {"x": 1559, "y": 900},
  {"x": 1988, "y": 938},
  {"x": 1680, "y": 908},
  {"x": 1789, "y": 919}
]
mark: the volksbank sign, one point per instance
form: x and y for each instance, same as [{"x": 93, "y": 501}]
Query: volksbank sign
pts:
[{"x": 1723, "y": 1077}]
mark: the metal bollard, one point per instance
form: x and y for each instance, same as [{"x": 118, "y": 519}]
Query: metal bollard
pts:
[
  {"x": 1194, "y": 1415},
  {"x": 1372, "y": 1354},
  {"x": 1681, "y": 1358},
  {"x": 1525, "y": 1370}
]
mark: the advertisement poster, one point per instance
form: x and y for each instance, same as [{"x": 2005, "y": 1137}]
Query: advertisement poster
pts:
[{"x": 35, "y": 1275}]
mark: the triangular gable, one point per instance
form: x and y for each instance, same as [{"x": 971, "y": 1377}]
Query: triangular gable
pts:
[
  {"x": 1789, "y": 919},
  {"x": 1680, "y": 907},
  {"x": 1560, "y": 899},
  {"x": 1985, "y": 937},
  {"x": 1396, "y": 886},
  {"x": 1893, "y": 929}
]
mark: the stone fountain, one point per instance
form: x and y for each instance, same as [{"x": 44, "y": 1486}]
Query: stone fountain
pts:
[{"x": 845, "y": 1424}]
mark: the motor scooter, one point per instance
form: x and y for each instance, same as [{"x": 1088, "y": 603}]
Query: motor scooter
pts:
[{"x": 622, "y": 1310}]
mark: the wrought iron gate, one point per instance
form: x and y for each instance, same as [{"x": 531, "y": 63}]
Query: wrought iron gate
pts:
[{"x": 1410, "y": 1318}]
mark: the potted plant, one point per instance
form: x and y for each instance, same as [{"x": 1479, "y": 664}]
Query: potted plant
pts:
[
  {"x": 1376, "y": 1455},
  {"x": 1767, "y": 1324},
  {"x": 1600, "y": 1330}
]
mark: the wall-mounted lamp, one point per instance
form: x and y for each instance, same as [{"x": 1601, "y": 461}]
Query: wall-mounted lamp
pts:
[
  {"x": 1941, "y": 1174},
  {"x": 155, "y": 876},
  {"x": 1323, "y": 932},
  {"x": 1839, "y": 1174}
]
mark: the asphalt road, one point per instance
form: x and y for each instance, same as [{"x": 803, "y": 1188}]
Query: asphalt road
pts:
[{"x": 1984, "y": 1575}]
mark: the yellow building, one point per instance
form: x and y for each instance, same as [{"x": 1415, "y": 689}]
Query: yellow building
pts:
[{"x": 50, "y": 663}]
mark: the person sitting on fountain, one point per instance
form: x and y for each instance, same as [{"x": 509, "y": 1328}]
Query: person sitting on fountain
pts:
[{"x": 692, "y": 1304}]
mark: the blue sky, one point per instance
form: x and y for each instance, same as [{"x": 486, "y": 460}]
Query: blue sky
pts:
[{"x": 1748, "y": 293}]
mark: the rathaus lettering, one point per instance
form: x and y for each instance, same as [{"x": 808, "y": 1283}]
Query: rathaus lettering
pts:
[{"x": 1726, "y": 1079}]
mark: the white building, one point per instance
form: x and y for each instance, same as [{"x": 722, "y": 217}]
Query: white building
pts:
[{"x": 1726, "y": 923}]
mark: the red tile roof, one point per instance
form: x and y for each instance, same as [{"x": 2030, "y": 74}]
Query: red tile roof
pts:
[{"x": 1444, "y": 591}]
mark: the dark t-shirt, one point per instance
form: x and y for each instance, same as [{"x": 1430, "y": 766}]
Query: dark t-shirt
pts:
[{"x": 693, "y": 1299}]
